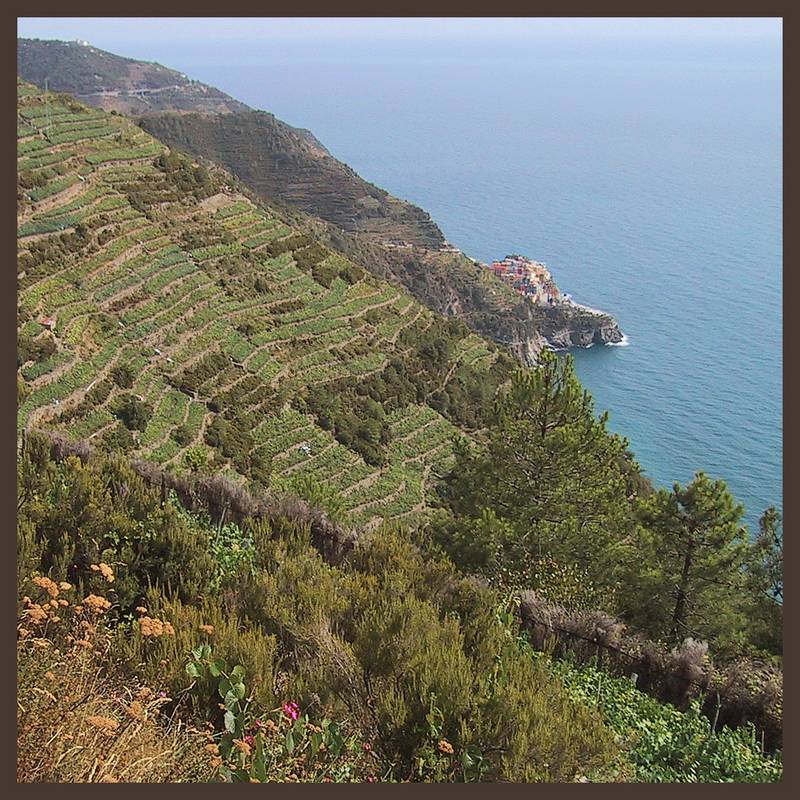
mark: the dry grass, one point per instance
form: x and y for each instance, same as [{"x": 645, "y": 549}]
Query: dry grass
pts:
[
  {"x": 77, "y": 724},
  {"x": 79, "y": 720}
]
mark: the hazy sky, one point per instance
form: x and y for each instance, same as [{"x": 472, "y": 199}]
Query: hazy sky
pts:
[{"x": 116, "y": 30}]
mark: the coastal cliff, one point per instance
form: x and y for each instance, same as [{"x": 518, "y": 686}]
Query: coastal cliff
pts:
[
  {"x": 571, "y": 325},
  {"x": 559, "y": 327},
  {"x": 290, "y": 169}
]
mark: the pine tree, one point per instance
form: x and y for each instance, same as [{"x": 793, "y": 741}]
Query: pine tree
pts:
[
  {"x": 768, "y": 566},
  {"x": 552, "y": 472},
  {"x": 765, "y": 585},
  {"x": 695, "y": 550}
]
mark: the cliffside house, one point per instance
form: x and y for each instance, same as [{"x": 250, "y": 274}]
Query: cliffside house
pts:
[{"x": 529, "y": 278}]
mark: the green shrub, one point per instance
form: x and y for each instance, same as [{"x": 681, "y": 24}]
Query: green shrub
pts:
[
  {"x": 133, "y": 412},
  {"x": 405, "y": 653},
  {"x": 123, "y": 375},
  {"x": 666, "y": 745}
]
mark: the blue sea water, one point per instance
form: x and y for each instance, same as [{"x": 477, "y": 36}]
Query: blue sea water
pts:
[{"x": 645, "y": 172}]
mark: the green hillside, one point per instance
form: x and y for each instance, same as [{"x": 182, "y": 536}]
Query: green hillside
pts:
[
  {"x": 191, "y": 327},
  {"x": 251, "y": 471},
  {"x": 290, "y": 169}
]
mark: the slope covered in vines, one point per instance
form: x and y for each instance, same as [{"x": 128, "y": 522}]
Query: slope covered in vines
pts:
[{"x": 165, "y": 315}]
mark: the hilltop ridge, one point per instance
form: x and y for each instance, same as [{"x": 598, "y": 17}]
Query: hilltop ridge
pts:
[
  {"x": 290, "y": 169},
  {"x": 115, "y": 83}
]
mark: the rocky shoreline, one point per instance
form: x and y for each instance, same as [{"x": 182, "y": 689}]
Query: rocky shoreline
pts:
[
  {"x": 561, "y": 327},
  {"x": 560, "y": 323},
  {"x": 575, "y": 325}
]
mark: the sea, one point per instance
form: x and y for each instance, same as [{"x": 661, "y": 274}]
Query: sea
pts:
[{"x": 646, "y": 172}]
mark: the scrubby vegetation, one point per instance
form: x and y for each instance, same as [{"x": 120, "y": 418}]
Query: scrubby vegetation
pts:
[
  {"x": 370, "y": 644},
  {"x": 99, "y": 726},
  {"x": 666, "y": 745},
  {"x": 396, "y": 647},
  {"x": 343, "y": 536}
]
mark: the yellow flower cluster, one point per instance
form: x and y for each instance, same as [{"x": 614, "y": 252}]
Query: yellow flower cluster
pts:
[
  {"x": 39, "y": 613},
  {"x": 136, "y": 710},
  {"x": 242, "y": 746},
  {"x": 104, "y": 570},
  {"x": 155, "y": 627},
  {"x": 96, "y": 604},
  {"x": 36, "y": 614},
  {"x": 445, "y": 747},
  {"x": 209, "y": 629},
  {"x": 51, "y": 587}
]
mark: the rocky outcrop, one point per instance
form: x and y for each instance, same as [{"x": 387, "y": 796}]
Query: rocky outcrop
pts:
[
  {"x": 568, "y": 325},
  {"x": 530, "y": 328},
  {"x": 527, "y": 345}
]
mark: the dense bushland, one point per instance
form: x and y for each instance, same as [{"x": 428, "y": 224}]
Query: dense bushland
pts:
[
  {"x": 552, "y": 492},
  {"x": 418, "y": 665},
  {"x": 179, "y": 177},
  {"x": 386, "y": 641}
]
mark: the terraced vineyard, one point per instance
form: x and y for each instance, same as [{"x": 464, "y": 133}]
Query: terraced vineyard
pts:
[{"x": 166, "y": 315}]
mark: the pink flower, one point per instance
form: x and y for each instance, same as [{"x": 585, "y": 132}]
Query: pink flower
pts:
[
  {"x": 251, "y": 740},
  {"x": 292, "y": 710},
  {"x": 370, "y": 779},
  {"x": 367, "y": 747},
  {"x": 259, "y": 723}
]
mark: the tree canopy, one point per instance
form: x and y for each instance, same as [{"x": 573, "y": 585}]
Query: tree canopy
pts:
[{"x": 550, "y": 482}]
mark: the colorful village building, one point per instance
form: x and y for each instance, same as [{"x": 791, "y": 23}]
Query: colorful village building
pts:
[{"x": 529, "y": 278}]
